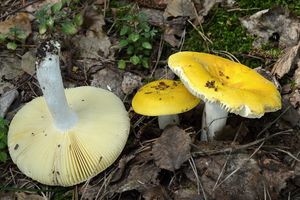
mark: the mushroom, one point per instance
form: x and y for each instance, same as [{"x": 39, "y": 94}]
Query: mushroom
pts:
[
  {"x": 225, "y": 86},
  {"x": 66, "y": 136},
  {"x": 165, "y": 99}
]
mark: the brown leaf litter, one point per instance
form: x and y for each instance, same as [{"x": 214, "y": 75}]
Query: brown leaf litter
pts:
[
  {"x": 172, "y": 149},
  {"x": 220, "y": 179},
  {"x": 286, "y": 62},
  {"x": 20, "y": 21},
  {"x": 174, "y": 17},
  {"x": 271, "y": 21}
]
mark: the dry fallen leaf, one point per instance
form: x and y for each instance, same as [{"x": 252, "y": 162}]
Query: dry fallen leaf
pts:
[
  {"x": 108, "y": 79},
  {"x": 39, "y": 4},
  {"x": 10, "y": 66},
  {"x": 141, "y": 177},
  {"x": 20, "y": 21},
  {"x": 156, "y": 4},
  {"x": 6, "y": 100},
  {"x": 286, "y": 62},
  {"x": 130, "y": 82},
  {"x": 221, "y": 180},
  {"x": 25, "y": 196},
  {"x": 156, "y": 193},
  {"x": 180, "y": 8},
  {"x": 276, "y": 20},
  {"x": 174, "y": 31},
  {"x": 187, "y": 194},
  {"x": 276, "y": 175},
  {"x": 28, "y": 63},
  {"x": 295, "y": 98},
  {"x": 95, "y": 44},
  {"x": 297, "y": 75},
  {"x": 172, "y": 148}
]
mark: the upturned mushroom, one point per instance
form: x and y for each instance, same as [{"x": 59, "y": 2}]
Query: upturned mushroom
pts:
[
  {"x": 225, "y": 87},
  {"x": 66, "y": 136},
  {"x": 164, "y": 99}
]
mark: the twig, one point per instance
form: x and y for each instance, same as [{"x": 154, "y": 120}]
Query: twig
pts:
[
  {"x": 18, "y": 9},
  {"x": 199, "y": 184},
  {"x": 238, "y": 168},
  {"x": 200, "y": 33},
  {"x": 161, "y": 43},
  {"x": 288, "y": 153},
  {"x": 239, "y": 147},
  {"x": 222, "y": 171}
]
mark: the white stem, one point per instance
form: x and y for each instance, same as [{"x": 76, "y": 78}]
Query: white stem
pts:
[
  {"x": 165, "y": 120},
  {"x": 213, "y": 120},
  {"x": 50, "y": 80}
]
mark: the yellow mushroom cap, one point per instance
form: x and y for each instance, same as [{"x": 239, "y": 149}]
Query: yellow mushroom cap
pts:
[
  {"x": 53, "y": 157},
  {"x": 163, "y": 97},
  {"x": 237, "y": 88}
]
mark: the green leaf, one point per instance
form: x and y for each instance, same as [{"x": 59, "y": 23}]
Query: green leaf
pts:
[
  {"x": 21, "y": 35},
  {"x": 146, "y": 45},
  {"x": 2, "y": 37},
  {"x": 134, "y": 60},
  {"x": 123, "y": 43},
  {"x": 134, "y": 37},
  {"x": 11, "y": 45},
  {"x": 145, "y": 63},
  {"x": 55, "y": 8},
  {"x": 130, "y": 50},
  {"x": 78, "y": 20},
  {"x": 42, "y": 28},
  {"x": 122, "y": 64},
  {"x": 124, "y": 30},
  {"x": 68, "y": 28},
  {"x": 50, "y": 22},
  {"x": 3, "y": 156},
  {"x": 66, "y": 1},
  {"x": 3, "y": 144}
]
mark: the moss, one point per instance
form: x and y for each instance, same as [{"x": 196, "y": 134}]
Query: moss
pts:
[
  {"x": 264, "y": 4},
  {"x": 223, "y": 28}
]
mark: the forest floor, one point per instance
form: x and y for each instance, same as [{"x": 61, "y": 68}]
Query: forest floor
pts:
[{"x": 122, "y": 45}]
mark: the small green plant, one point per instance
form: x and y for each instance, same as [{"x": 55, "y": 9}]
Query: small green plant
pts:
[
  {"x": 11, "y": 38},
  {"x": 136, "y": 38},
  {"x": 59, "y": 16},
  {"x": 3, "y": 139}
]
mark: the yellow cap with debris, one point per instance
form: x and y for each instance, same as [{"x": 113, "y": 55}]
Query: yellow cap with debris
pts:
[{"x": 237, "y": 88}]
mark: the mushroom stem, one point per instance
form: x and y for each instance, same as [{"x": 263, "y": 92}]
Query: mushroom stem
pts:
[
  {"x": 165, "y": 120},
  {"x": 50, "y": 80},
  {"x": 213, "y": 120}
]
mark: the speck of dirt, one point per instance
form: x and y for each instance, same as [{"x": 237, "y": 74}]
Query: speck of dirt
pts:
[
  {"x": 161, "y": 86},
  {"x": 160, "y": 99},
  {"x": 45, "y": 134},
  {"x": 46, "y": 47},
  {"x": 58, "y": 145},
  {"x": 227, "y": 77},
  {"x": 57, "y": 172},
  {"x": 82, "y": 99},
  {"x": 32, "y": 134},
  {"x": 210, "y": 84},
  {"x": 221, "y": 73},
  {"x": 16, "y": 147},
  {"x": 148, "y": 92},
  {"x": 100, "y": 159}
]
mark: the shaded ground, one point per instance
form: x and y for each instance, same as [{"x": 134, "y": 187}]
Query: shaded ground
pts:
[{"x": 255, "y": 159}]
